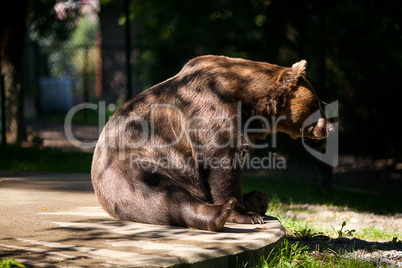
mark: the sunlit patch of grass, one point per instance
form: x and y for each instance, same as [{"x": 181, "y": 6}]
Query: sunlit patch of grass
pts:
[{"x": 374, "y": 233}]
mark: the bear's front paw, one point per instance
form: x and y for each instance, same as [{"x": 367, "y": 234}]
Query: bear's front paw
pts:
[
  {"x": 247, "y": 217},
  {"x": 256, "y": 201}
]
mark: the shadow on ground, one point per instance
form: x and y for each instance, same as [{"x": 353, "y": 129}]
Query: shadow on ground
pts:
[{"x": 346, "y": 244}]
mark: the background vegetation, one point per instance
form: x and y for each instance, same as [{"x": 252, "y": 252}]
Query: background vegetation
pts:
[{"x": 352, "y": 48}]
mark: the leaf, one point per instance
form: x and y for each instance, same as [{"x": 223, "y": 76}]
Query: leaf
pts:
[{"x": 10, "y": 261}]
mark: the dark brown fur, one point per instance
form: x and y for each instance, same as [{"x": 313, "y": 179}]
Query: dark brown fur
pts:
[{"x": 137, "y": 178}]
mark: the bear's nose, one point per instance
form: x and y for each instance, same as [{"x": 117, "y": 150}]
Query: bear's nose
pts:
[
  {"x": 323, "y": 128},
  {"x": 330, "y": 127}
]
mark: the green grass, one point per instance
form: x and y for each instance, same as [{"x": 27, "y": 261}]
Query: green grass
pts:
[
  {"x": 294, "y": 255},
  {"x": 374, "y": 233},
  {"x": 300, "y": 191},
  {"x": 16, "y": 158},
  {"x": 10, "y": 263}
]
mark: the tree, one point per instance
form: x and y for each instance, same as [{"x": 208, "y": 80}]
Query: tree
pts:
[
  {"x": 14, "y": 19},
  {"x": 12, "y": 36}
]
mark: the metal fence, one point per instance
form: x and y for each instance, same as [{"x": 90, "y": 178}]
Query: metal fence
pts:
[
  {"x": 78, "y": 55},
  {"x": 60, "y": 72}
]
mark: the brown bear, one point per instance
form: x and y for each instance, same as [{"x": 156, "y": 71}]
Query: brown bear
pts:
[{"x": 174, "y": 154}]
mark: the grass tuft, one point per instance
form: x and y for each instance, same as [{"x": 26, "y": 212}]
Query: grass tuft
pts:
[{"x": 10, "y": 263}]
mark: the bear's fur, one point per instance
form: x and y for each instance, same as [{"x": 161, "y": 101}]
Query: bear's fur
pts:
[{"x": 168, "y": 156}]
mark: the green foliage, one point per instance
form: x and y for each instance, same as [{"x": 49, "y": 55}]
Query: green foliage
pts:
[
  {"x": 10, "y": 263},
  {"x": 44, "y": 23},
  {"x": 307, "y": 234},
  {"x": 289, "y": 255},
  {"x": 343, "y": 233},
  {"x": 295, "y": 255}
]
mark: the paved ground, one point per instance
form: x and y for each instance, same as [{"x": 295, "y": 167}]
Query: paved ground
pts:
[{"x": 49, "y": 219}]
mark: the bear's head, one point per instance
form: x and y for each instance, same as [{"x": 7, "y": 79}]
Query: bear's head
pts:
[{"x": 301, "y": 101}]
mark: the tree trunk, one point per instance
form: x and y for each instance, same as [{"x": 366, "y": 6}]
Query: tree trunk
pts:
[{"x": 12, "y": 36}]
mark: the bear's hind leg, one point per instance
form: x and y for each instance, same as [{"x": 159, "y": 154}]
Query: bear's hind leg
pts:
[
  {"x": 185, "y": 210},
  {"x": 164, "y": 203},
  {"x": 209, "y": 217}
]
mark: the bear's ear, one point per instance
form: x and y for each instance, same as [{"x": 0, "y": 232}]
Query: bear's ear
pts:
[
  {"x": 299, "y": 68},
  {"x": 291, "y": 75}
]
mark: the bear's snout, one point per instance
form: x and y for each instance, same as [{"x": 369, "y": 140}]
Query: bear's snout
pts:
[{"x": 323, "y": 128}]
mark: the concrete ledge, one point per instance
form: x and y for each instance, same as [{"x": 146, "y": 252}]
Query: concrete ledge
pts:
[{"x": 49, "y": 219}]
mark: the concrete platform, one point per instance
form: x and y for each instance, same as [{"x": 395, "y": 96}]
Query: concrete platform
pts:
[{"x": 49, "y": 219}]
